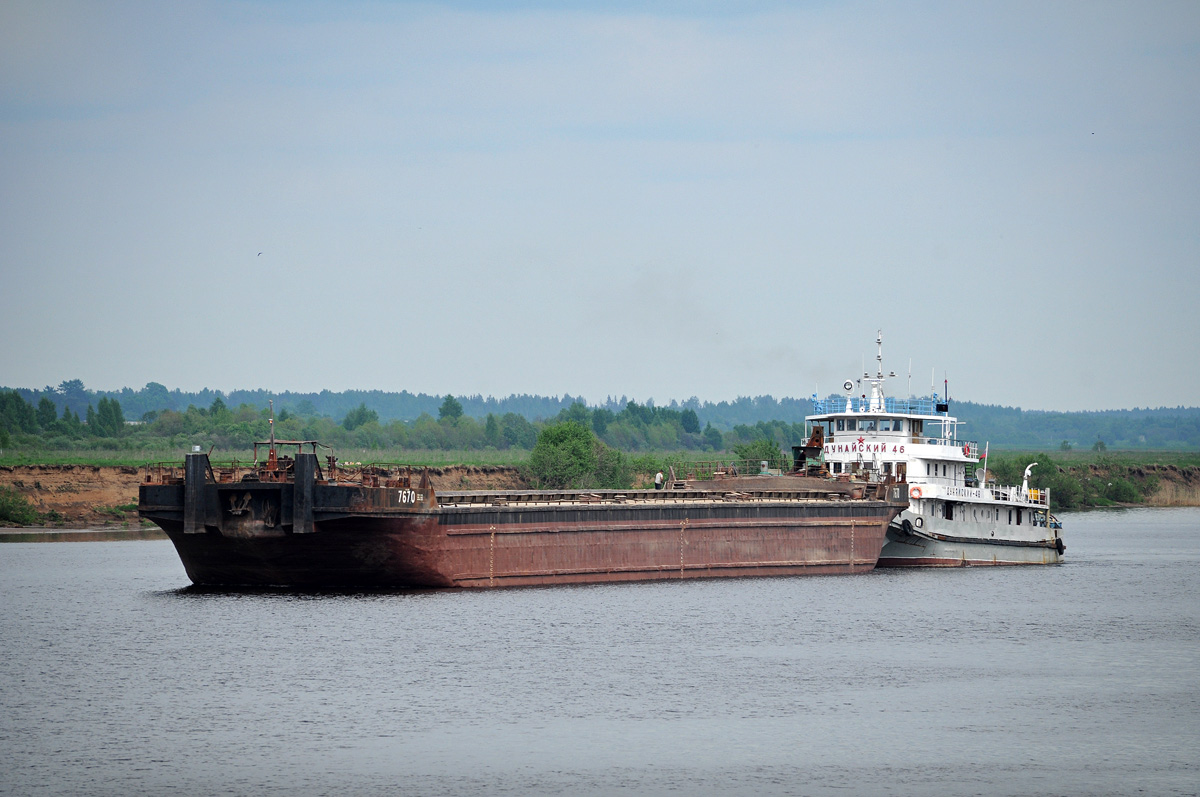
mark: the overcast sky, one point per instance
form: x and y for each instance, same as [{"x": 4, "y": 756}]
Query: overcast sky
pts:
[{"x": 605, "y": 198}]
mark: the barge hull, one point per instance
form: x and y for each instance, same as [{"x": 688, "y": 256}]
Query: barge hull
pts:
[
  {"x": 419, "y": 551},
  {"x": 311, "y": 534}
]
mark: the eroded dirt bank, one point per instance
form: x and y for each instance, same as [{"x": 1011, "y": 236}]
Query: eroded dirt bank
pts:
[{"x": 89, "y": 496}]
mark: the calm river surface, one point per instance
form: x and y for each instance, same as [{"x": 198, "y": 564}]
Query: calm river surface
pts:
[{"x": 1078, "y": 679}]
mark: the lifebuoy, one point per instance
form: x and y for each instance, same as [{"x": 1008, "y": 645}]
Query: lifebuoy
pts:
[
  {"x": 914, "y": 492},
  {"x": 967, "y": 450}
]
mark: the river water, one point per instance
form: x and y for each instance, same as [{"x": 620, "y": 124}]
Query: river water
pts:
[{"x": 1084, "y": 678}]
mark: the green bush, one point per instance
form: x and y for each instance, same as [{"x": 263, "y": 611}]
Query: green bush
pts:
[
  {"x": 15, "y": 508},
  {"x": 564, "y": 454},
  {"x": 759, "y": 450},
  {"x": 1122, "y": 491},
  {"x": 569, "y": 454}
]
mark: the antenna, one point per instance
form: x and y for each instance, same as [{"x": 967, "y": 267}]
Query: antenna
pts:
[
  {"x": 910, "y": 377},
  {"x": 879, "y": 356}
]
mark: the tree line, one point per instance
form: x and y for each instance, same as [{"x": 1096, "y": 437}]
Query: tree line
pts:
[
  {"x": 404, "y": 405},
  {"x": 635, "y": 428},
  {"x": 70, "y": 414}
]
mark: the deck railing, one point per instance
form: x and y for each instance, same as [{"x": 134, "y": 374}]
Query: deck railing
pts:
[{"x": 837, "y": 405}]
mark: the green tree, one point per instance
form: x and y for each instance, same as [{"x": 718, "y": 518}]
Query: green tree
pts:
[
  {"x": 16, "y": 414},
  {"x": 577, "y": 412},
  {"x": 713, "y": 438},
  {"x": 156, "y": 396},
  {"x": 601, "y": 418},
  {"x": 109, "y": 420},
  {"x": 689, "y": 421},
  {"x": 72, "y": 423},
  {"x": 358, "y": 416},
  {"x": 518, "y": 432},
  {"x": 491, "y": 431},
  {"x": 74, "y": 395},
  {"x": 450, "y": 409},
  {"x": 47, "y": 413}
]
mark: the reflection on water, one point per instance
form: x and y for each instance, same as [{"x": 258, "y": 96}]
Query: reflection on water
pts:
[{"x": 1080, "y": 678}]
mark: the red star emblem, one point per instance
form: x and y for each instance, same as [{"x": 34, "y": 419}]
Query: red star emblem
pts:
[{"x": 860, "y": 440}]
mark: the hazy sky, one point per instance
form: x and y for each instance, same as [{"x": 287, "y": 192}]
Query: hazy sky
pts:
[{"x": 604, "y": 198}]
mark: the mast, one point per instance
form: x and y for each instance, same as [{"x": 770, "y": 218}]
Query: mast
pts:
[
  {"x": 272, "y": 458},
  {"x": 877, "y": 396}
]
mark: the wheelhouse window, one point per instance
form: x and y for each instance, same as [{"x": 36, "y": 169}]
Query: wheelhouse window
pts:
[
  {"x": 841, "y": 424},
  {"x": 867, "y": 425}
]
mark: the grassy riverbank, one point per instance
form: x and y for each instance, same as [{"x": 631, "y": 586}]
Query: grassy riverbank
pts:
[{"x": 1112, "y": 478}]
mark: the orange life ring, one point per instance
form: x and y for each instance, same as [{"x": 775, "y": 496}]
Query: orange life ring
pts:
[
  {"x": 967, "y": 450},
  {"x": 914, "y": 492}
]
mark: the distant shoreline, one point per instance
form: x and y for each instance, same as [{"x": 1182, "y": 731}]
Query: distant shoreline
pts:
[{"x": 51, "y": 534}]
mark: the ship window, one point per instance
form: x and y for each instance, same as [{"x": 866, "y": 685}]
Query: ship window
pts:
[
  {"x": 841, "y": 424},
  {"x": 949, "y": 511},
  {"x": 851, "y": 424},
  {"x": 868, "y": 425},
  {"x": 926, "y": 468},
  {"x": 1010, "y": 517},
  {"x": 898, "y": 425}
]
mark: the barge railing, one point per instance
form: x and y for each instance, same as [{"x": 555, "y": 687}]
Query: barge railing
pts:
[{"x": 559, "y": 497}]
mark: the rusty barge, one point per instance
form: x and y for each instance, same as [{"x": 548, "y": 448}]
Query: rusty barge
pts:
[{"x": 289, "y": 522}]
